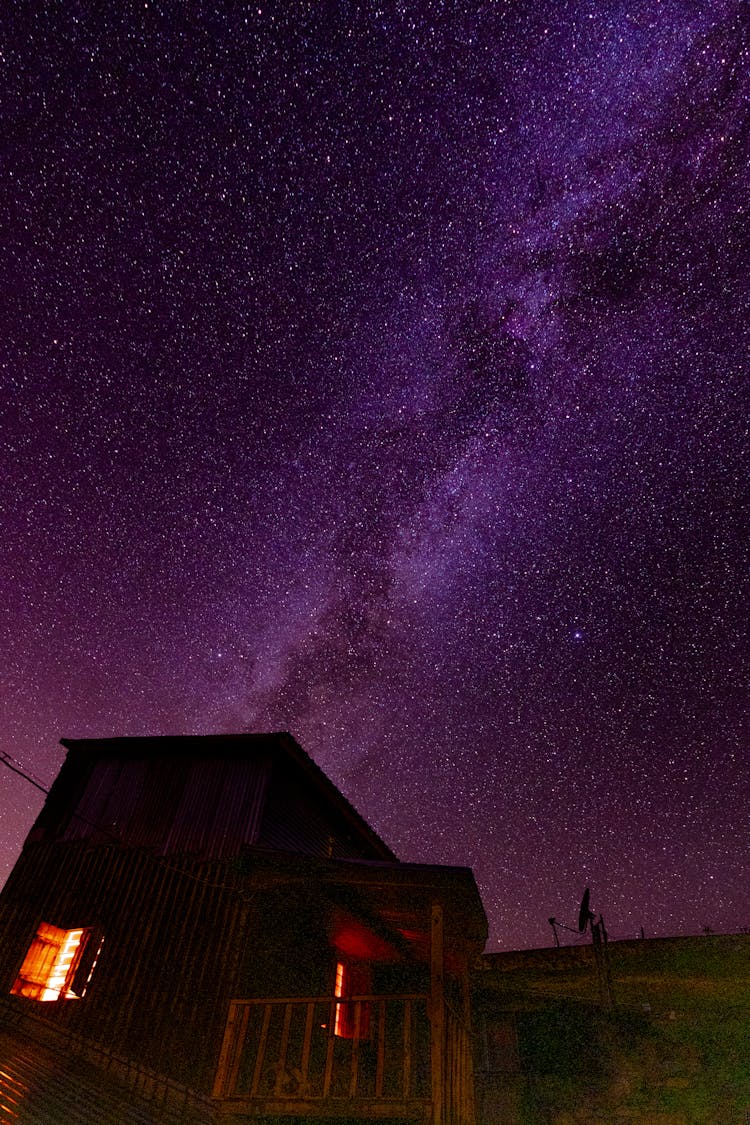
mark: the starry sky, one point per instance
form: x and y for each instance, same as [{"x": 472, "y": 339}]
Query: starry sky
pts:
[{"x": 379, "y": 372}]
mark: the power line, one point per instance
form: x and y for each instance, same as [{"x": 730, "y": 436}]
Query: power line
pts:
[{"x": 12, "y": 764}]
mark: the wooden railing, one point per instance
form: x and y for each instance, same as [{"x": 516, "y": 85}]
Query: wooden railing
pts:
[{"x": 284, "y": 1056}]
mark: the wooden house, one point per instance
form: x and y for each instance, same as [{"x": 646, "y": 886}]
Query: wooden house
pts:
[{"x": 215, "y": 912}]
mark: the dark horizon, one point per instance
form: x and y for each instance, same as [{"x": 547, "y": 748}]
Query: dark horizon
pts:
[{"x": 379, "y": 372}]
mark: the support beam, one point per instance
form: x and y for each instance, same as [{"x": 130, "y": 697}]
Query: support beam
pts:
[{"x": 437, "y": 1013}]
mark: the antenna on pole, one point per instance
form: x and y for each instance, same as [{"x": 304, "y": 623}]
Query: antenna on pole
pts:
[
  {"x": 584, "y": 914},
  {"x": 601, "y": 954}
]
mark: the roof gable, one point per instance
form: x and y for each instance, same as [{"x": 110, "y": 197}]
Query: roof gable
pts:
[{"x": 200, "y": 794}]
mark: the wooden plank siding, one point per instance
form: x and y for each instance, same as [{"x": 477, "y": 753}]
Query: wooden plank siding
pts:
[
  {"x": 161, "y": 985},
  {"x": 175, "y": 806},
  {"x": 295, "y": 820}
]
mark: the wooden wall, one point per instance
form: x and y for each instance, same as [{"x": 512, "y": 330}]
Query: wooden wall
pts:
[
  {"x": 176, "y": 804},
  {"x": 207, "y": 796},
  {"x": 297, "y": 819},
  {"x": 175, "y": 933}
]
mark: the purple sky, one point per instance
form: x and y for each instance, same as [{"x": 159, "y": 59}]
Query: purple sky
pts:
[{"x": 379, "y": 372}]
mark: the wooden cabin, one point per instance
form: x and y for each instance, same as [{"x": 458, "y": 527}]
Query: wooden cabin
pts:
[{"x": 214, "y": 911}]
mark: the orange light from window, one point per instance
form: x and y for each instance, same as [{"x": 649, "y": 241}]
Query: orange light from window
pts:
[
  {"x": 352, "y": 1017},
  {"x": 338, "y": 1027},
  {"x": 61, "y": 970},
  {"x": 50, "y": 964}
]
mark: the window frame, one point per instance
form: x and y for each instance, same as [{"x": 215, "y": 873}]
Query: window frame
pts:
[
  {"x": 58, "y": 963},
  {"x": 352, "y": 979}
]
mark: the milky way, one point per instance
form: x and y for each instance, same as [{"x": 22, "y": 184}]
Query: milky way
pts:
[{"x": 380, "y": 373}]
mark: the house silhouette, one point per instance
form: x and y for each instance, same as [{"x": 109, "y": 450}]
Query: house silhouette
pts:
[{"x": 208, "y": 918}]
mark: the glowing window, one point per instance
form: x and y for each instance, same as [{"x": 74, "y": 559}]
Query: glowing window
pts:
[
  {"x": 54, "y": 967},
  {"x": 352, "y": 1019},
  {"x": 339, "y": 991}
]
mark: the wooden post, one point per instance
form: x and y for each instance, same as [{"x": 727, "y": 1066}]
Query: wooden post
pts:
[
  {"x": 437, "y": 1012},
  {"x": 601, "y": 959},
  {"x": 467, "y": 1095},
  {"x": 329, "y": 1049},
  {"x": 407, "y": 1049},
  {"x": 355, "y": 1049},
  {"x": 381, "y": 1050},
  {"x": 305, "y": 1064},
  {"x": 464, "y": 987},
  {"x": 260, "y": 1057},
  {"x": 231, "y": 1050}
]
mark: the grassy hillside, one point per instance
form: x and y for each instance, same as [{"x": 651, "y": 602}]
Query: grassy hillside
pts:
[{"x": 675, "y": 1050}]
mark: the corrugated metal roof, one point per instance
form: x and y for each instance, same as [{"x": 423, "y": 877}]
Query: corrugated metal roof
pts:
[
  {"x": 39, "y": 1086},
  {"x": 219, "y": 810}
]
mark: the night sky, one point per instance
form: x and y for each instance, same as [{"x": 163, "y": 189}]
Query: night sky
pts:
[{"x": 379, "y": 372}]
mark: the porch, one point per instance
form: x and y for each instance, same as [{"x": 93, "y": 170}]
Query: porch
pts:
[
  {"x": 387, "y": 1035},
  {"x": 367, "y": 1057}
]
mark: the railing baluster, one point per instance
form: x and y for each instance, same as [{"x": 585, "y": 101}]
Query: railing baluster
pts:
[
  {"x": 305, "y": 1063},
  {"x": 379, "y": 1066},
  {"x": 220, "y": 1085},
  {"x": 261, "y": 1050},
  {"x": 329, "y": 1049},
  {"x": 355, "y": 1049},
  {"x": 236, "y": 1055},
  {"x": 283, "y": 1047}
]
